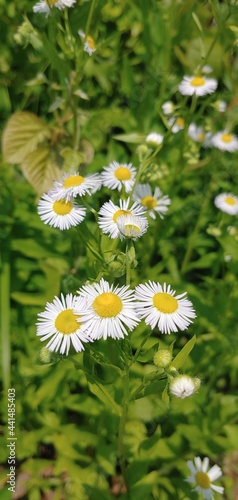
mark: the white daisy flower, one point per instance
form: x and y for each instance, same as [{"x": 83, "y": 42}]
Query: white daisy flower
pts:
[
  {"x": 176, "y": 124},
  {"x": 132, "y": 227},
  {"x": 199, "y": 85},
  {"x": 61, "y": 213},
  {"x": 183, "y": 386},
  {"x": 110, "y": 310},
  {"x": 119, "y": 175},
  {"x": 168, "y": 108},
  {"x": 225, "y": 141},
  {"x": 109, "y": 213},
  {"x": 227, "y": 202},
  {"x": 44, "y": 6},
  {"x": 74, "y": 184},
  {"x": 153, "y": 203},
  {"x": 59, "y": 323},
  {"x": 89, "y": 44},
  {"x": 203, "y": 478},
  {"x": 220, "y": 106},
  {"x": 153, "y": 139},
  {"x": 159, "y": 307},
  {"x": 196, "y": 133}
]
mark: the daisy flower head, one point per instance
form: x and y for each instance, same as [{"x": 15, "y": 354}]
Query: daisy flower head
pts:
[
  {"x": 153, "y": 203},
  {"x": 203, "y": 478},
  {"x": 74, "y": 184},
  {"x": 59, "y": 324},
  {"x": 60, "y": 213},
  {"x": 159, "y": 306},
  {"x": 89, "y": 44},
  {"x": 198, "y": 85},
  {"x": 196, "y": 133},
  {"x": 109, "y": 214},
  {"x": 44, "y": 6},
  {"x": 183, "y": 386},
  {"x": 227, "y": 202},
  {"x": 110, "y": 310},
  {"x": 119, "y": 175},
  {"x": 131, "y": 226},
  {"x": 176, "y": 124},
  {"x": 168, "y": 108},
  {"x": 225, "y": 141},
  {"x": 153, "y": 139}
]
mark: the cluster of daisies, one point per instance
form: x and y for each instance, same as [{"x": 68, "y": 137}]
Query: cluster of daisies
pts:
[
  {"x": 100, "y": 310},
  {"x": 59, "y": 209}
]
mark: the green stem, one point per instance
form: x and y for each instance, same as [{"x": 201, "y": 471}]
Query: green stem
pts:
[
  {"x": 123, "y": 419},
  {"x": 193, "y": 236},
  {"x": 90, "y": 17},
  {"x": 138, "y": 351}
]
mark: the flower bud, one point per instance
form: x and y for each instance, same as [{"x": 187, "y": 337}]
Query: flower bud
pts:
[
  {"x": 45, "y": 355},
  {"x": 184, "y": 386},
  {"x": 168, "y": 108},
  {"x": 163, "y": 358}
]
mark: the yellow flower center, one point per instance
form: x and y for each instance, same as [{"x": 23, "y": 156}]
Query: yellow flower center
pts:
[
  {"x": 62, "y": 207},
  {"x": 73, "y": 180},
  {"x": 226, "y": 138},
  {"x": 119, "y": 213},
  {"x": 131, "y": 229},
  {"x": 230, "y": 200},
  {"x": 201, "y": 137},
  {"x": 165, "y": 303},
  {"x": 51, "y": 2},
  {"x": 66, "y": 322},
  {"x": 180, "y": 122},
  {"x": 122, "y": 174},
  {"x": 90, "y": 41},
  {"x": 107, "y": 305},
  {"x": 149, "y": 202},
  {"x": 197, "y": 81},
  {"x": 203, "y": 480}
]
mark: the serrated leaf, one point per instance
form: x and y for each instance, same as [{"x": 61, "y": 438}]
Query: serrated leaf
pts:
[
  {"x": 133, "y": 138},
  {"x": 22, "y": 133},
  {"x": 181, "y": 357},
  {"x": 40, "y": 170}
]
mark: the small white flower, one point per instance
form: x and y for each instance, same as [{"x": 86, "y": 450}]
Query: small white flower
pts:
[
  {"x": 203, "y": 478},
  {"x": 220, "y": 106},
  {"x": 109, "y": 312},
  {"x": 89, "y": 44},
  {"x": 176, "y": 124},
  {"x": 225, "y": 141},
  {"x": 109, "y": 214},
  {"x": 153, "y": 203},
  {"x": 44, "y": 6},
  {"x": 154, "y": 139},
  {"x": 199, "y": 85},
  {"x": 227, "y": 202},
  {"x": 131, "y": 226},
  {"x": 74, "y": 184},
  {"x": 119, "y": 175},
  {"x": 196, "y": 133},
  {"x": 159, "y": 307},
  {"x": 182, "y": 386},
  {"x": 59, "y": 323},
  {"x": 61, "y": 213},
  {"x": 168, "y": 108},
  {"x": 207, "y": 69}
]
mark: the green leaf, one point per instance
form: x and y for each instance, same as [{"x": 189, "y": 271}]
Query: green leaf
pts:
[
  {"x": 102, "y": 393},
  {"x": 133, "y": 138},
  {"x": 40, "y": 170},
  {"x": 23, "y": 132},
  {"x": 28, "y": 299},
  {"x": 181, "y": 357}
]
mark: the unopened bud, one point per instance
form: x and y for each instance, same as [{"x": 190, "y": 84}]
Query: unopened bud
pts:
[
  {"x": 45, "y": 355},
  {"x": 163, "y": 358}
]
